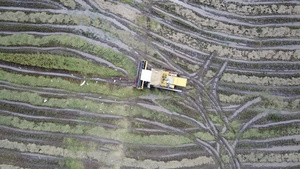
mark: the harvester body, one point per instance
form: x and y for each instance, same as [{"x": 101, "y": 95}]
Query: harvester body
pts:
[{"x": 158, "y": 78}]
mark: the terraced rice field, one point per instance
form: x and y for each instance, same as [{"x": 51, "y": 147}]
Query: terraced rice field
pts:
[{"x": 67, "y": 70}]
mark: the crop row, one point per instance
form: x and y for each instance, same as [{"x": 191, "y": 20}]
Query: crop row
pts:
[
  {"x": 50, "y": 150},
  {"x": 81, "y": 104},
  {"x": 272, "y": 157},
  {"x": 232, "y": 98},
  {"x": 43, "y": 17},
  {"x": 211, "y": 24},
  {"x": 60, "y": 62},
  {"x": 269, "y": 101},
  {"x": 77, "y": 19},
  {"x": 89, "y": 86},
  {"x": 122, "y": 135},
  {"x": 253, "y": 9},
  {"x": 263, "y": 81},
  {"x": 116, "y": 58},
  {"x": 224, "y": 51},
  {"x": 186, "y": 163},
  {"x": 271, "y": 132},
  {"x": 73, "y": 158},
  {"x": 10, "y": 166}
]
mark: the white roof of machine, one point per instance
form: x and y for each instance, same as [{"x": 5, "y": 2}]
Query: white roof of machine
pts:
[{"x": 146, "y": 75}]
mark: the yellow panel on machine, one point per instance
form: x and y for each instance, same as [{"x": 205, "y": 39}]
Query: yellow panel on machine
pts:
[{"x": 178, "y": 81}]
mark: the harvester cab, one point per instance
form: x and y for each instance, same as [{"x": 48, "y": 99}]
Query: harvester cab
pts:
[{"x": 157, "y": 78}]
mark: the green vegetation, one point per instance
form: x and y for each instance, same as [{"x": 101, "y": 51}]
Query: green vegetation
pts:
[
  {"x": 74, "y": 163},
  {"x": 124, "y": 136},
  {"x": 271, "y": 132},
  {"x": 59, "y": 62},
  {"x": 40, "y": 126},
  {"x": 127, "y": 1},
  {"x": 116, "y": 58},
  {"x": 173, "y": 106},
  {"x": 206, "y": 136},
  {"x": 119, "y": 134},
  {"x": 75, "y": 19},
  {"x": 117, "y": 109},
  {"x": 68, "y": 3},
  {"x": 75, "y": 145},
  {"x": 90, "y": 86},
  {"x": 50, "y": 150},
  {"x": 232, "y": 98},
  {"x": 127, "y": 38},
  {"x": 43, "y": 17},
  {"x": 267, "y": 81}
]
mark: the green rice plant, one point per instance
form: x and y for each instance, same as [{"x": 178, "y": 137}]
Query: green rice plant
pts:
[
  {"x": 43, "y": 17},
  {"x": 232, "y": 98},
  {"x": 74, "y": 163},
  {"x": 116, "y": 109},
  {"x": 122, "y": 135},
  {"x": 75, "y": 145},
  {"x": 206, "y": 136},
  {"x": 271, "y": 132},
  {"x": 51, "y": 61},
  {"x": 89, "y": 86},
  {"x": 266, "y": 81},
  {"x": 110, "y": 55}
]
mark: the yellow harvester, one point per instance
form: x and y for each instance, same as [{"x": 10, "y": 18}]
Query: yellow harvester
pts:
[{"x": 157, "y": 78}]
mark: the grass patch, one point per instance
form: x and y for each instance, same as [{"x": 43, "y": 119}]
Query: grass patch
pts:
[
  {"x": 110, "y": 55},
  {"x": 75, "y": 145},
  {"x": 206, "y": 136},
  {"x": 50, "y": 61},
  {"x": 74, "y": 163}
]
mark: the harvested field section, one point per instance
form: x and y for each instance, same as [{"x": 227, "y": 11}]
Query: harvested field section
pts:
[{"x": 68, "y": 67}]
